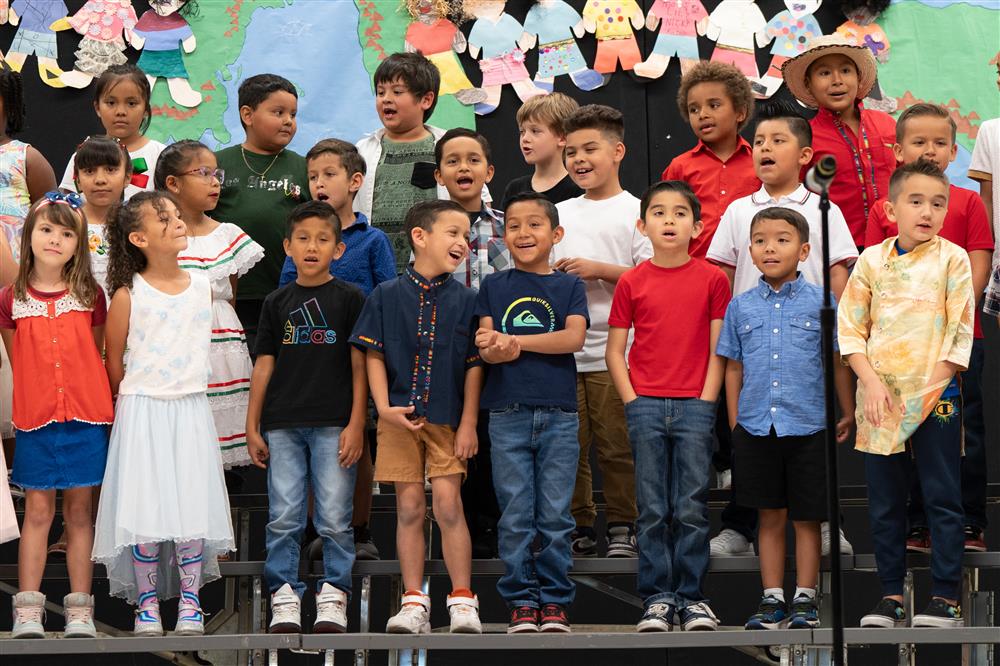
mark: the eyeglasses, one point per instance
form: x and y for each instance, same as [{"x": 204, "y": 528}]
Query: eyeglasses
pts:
[
  {"x": 71, "y": 199},
  {"x": 207, "y": 174}
]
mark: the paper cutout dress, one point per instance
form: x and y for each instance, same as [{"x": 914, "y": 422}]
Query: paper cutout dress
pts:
[
  {"x": 102, "y": 24},
  {"x": 610, "y": 21},
  {"x": 35, "y": 36},
  {"x": 792, "y": 31},
  {"x": 871, "y": 35},
  {"x": 732, "y": 26},
  {"x": 439, "y": 40},
  {"x": 161, "y": 33},
  {"x": 678, "y": 21},
  {"x": 554, "y": 23},
  {"x": 497, "y": 34}
]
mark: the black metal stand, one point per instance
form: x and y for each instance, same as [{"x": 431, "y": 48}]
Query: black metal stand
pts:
[{"x": 827, "y": 321}]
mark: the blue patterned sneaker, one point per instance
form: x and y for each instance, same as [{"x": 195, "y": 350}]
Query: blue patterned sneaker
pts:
[
  {"x": 698, "y": 617},
  {"x": 190, "y": 618},
  {"x": 771, "y": 614},
  {"x": 939, "y": 613},
  {"x": 658, "y": 617},
  {"x": 887, "y": 614},
  {"x": 147, "y": 616},
  {"x": 805, "y": 615}
]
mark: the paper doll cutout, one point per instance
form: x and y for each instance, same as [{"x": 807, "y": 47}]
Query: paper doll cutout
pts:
[
  {"x": 678, "y": 36},
  {"x": 792, "y": 31},
  {"x": 871, "y": 35},
  {"x": 102, "y": 23},
  {"x": 497, "y": 34},
  {"x": 554, "y": 23},
  {"x": 35, "y": 36},
  {"x": 439, "y": 40},
  {"x": 733, "y": 26},
  {"x": 161, "y": 33},
  {"x": 609, "y": 21}
]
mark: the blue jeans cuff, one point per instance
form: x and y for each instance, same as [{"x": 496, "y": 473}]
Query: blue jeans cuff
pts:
[
  {"x": 523, "y": 602},
  {"x": 662, "y": 598}
]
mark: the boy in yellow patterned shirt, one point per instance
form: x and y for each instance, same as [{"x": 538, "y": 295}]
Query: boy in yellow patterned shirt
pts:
[{"x": 905, "y": 328}]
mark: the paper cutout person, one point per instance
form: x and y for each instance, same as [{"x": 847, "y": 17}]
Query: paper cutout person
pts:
[
  {"x": 677, "y": 20},
  {"x": 35, "y": 35},
  {"x": 161, "y": 33},
  {"x": 732, "y": 26},
  {"x": 102, "y": 23},
  {"x": 792, "y": 31},
  {"x": 554, "y": 23},
  {"x": 439, "y": 40},
  {"x": 609, "y": 21},
  {"x": 870, "y": 34},
  {"x": 497, "y": 33}
]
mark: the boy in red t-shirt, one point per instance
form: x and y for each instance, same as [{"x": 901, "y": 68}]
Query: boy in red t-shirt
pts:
[
  {"x": 670, "y": 386},
  {"x": 717, "y": 102},
  {"x": 928, "y": 131},
  {"x": 834, "y": 76}
]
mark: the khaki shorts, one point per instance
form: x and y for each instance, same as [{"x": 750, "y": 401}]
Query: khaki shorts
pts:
[{"x": 403, "y": 455}]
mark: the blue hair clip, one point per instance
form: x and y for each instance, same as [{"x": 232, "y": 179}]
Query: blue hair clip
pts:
[{"x": 71, "y": 199}]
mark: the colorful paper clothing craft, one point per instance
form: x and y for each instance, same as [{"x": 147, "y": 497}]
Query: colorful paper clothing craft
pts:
[
  {"x": 732, "y": 26},
  {"x": 792, "y": 31},
  {"x": 161, "y": 33},
  {"x": 440, "y": 41},
  {"x": 612, "y": 21},
  {"x": 497, "y": 34},
  {"x": 677, "y": 36},
  {"x": 35, "y": 36},
  {"x": 102, "y": 24},
  {"x": 556, "y": 26}
]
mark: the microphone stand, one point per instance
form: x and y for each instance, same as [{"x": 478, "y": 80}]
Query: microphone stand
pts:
[{"x": 827, "y": 322}]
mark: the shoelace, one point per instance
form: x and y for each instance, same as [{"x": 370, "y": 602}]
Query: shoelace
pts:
[
  {"x": 29, "y": 614},
  {"x": 78, "y": 614},
  {"x": 324, "y": 605},
  {"x": 701, "y": 609},
  {"x": 462, "y": 609}
]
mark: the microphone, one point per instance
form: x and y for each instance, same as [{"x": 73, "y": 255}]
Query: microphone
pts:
[{"x": 819, "y": 177}]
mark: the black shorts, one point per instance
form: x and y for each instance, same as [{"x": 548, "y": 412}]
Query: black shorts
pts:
[{"x": 774, "y": 472}]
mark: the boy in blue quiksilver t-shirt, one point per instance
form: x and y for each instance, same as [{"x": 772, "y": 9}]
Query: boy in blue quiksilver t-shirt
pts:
[{"x": 532, "y": 320}]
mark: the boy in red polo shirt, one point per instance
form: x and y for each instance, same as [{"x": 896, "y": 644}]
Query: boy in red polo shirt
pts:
[
  {"x": 717, "y": 102},
  {"x": 834, "y": 76},
  {"x": 928, "y": 131}
]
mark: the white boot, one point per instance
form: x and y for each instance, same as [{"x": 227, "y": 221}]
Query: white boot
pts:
[
  {"x": 29, "y": 614},
  {"x": 331, "y": 611},
  {"x": 464, "y": 612},
  {"x": 79, "y": 616},
  {"x": 413, "y": 618},
  {"x": 285, "y": 611}
]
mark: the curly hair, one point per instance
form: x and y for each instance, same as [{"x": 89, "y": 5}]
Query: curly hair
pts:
[
  {"x": 12, "y": 94},
  {"x": 75, "y": 272},
  {"x": 737, "y": 87},
  {"x": 124, "y": 258}
]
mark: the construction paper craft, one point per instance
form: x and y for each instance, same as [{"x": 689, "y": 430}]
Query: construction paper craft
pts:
[
  {"x": 554, "y": 23},
  {"x": 497, "y": 34},
  {"x": 439, "y": 40},
  {"x": 35, "y": 36},
  {"x": 792, "y": 31},
  {"x": 609, "y": 21},
  {"x": 102, "y": 23},
  {"x": 871, "y": 35},
  {"x": 161, "y": 33},
  {"x": 678, "y": 36},
  {"x": 733, "y": 26}
]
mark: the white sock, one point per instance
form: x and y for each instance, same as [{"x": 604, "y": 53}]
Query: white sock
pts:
[
  {"x": 809, "y": 592},
  {"x": 775, "y": 592}
]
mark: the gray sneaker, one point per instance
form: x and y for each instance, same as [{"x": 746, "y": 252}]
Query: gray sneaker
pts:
[
  {"x": 621, "y": 542},
  {"x": 29, "y": 614},
  {"x": 79, "y": 616},
  {"x": 584, "y": 542}
]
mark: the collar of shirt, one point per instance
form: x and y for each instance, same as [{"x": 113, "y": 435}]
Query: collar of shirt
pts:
[
  {"x": 800, "y": 196},
  {"x": 788, "y": 290},
  {"x": 360, "y": 224},
  {"x": 420, "y": 282},
  {"x": 494, "y": 219},
  {"x": 741, "y": 145},
  {"x": 826, "y": 115}
]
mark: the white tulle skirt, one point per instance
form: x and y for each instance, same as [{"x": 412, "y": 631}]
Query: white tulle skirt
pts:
[{"x": 163, "y": 483}]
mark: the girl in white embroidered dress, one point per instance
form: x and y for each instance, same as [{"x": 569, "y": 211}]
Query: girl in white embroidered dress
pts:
[{"x": 164, "y": 497}]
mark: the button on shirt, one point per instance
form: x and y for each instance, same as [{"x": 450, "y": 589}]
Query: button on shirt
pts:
[
  {"x": 426, "y": 330},
  {"x": 487, "y": 250},
  {"x": 776, "y": 336}
]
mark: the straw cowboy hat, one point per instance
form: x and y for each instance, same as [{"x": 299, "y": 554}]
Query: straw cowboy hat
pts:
[{"x": 794, "y": 70}]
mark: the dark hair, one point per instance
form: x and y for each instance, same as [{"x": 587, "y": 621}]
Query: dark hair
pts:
[
  {"x": 776, "y": 109},
  {"x": 12, "y": 94},
  {"x": 550, "y": 209},
  {"x": 256, "y": 89},
  {"x": 924, "y": 110},
  {"x": 920, "y": 167},
  {"x": 348, "y": 153},
  {"x": 425, "y": 214},
  {"x": 457, "y": 133},
  {"x": 735, "y": 82},
  {"x": 788, "y": 215},
  {"x": 174, "y": 160},
  {"x": 606, "y": 120},
  {"x": 319, "y": 209},
  {"x": 100, "y": 151},
  {"x": 189, "y": 9},
  {"x": 113, "y": 75},
  {"x": 419, "y": 74},
  {"x": 124, "y": 258},
  {"x": 678, "y": 186}
]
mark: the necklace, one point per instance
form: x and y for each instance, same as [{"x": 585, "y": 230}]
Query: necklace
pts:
[{"x": 252, "y": 170}]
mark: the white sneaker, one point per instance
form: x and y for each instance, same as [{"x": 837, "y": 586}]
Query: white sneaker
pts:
[
  {"x": 331, "y": 611},
  {"x": 464, "y": 614},
  {"x": 285, "y": 611},
  {"x": 845, "y": 546},
  {"x": 726, "y": 479},
  {"x": 729, "y": 543},
  {"x": 29, "y": 614},
  {"x": 79, "y": 616},
  {"x": 413, "y": 618}
]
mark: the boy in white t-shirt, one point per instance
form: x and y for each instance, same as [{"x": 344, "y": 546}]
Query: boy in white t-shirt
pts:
[
  {"x": 983, "y": 167},
  {"x": 601, "y": 242}
]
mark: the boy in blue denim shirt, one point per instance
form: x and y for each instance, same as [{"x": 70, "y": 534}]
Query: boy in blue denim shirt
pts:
[
  {"x": 532, "y": 319},
  {"x": 308, "y": 394},
  {"x": 774, "y": 387}
]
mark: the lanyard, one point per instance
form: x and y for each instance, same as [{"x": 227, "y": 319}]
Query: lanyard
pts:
[{"x": 858, "y": 166}]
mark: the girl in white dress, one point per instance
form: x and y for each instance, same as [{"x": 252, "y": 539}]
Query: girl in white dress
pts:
[
  {"x": 222, "y": 252},
  {"x": 164, "y": 497}
]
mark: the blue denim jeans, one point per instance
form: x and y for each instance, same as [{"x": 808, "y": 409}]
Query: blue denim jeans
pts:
[
  {"x": 534, "y": 455},
  {"x": 304, "y": 458},
  {"x": 672, "y": 446}
]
